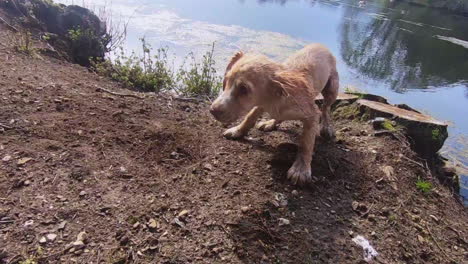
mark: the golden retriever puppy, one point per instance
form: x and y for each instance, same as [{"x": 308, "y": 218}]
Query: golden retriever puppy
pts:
[{"x": 254, "y": 84}]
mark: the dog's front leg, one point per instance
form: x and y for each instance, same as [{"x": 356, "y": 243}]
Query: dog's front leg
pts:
[
  {"x": 243, "y": 128},
  {"x": 300, "y": 172}
]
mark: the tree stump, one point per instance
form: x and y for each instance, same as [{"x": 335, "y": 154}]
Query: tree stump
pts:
[{"x": 427, "y": 135}]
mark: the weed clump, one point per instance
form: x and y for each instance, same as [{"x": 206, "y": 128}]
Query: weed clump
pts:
[
  {"x": 424, "y": 186},
  {"x": 199, "y": 79},
  {"x": 153, "y": 72},
  {"x": 146, "y": 72}
]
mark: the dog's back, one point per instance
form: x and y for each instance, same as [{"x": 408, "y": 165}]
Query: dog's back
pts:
[{"x": 315, "y": 59}]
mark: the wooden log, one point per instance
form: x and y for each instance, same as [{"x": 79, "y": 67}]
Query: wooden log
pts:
[{"x": 427, "y": 135}]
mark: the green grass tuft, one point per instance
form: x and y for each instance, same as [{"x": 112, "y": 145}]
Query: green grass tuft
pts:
[{"x": 424, "y": 186}]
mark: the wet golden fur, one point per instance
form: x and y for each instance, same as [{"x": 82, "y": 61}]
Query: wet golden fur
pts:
[{"x": 253, "y": 84}]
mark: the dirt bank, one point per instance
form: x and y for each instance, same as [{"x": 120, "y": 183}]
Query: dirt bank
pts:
[{"x": 151, "y": 180}]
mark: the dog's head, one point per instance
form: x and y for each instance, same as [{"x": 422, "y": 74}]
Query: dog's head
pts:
[{"x": 254, "y": 80}]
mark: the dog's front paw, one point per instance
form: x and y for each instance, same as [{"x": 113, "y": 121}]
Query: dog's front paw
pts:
[
  {"x": 300, "y": 173},
  {"x": 234, "y": 133},
  {"x": 267, "y": 126}
]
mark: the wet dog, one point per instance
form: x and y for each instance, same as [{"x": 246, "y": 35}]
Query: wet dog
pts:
[{"x": 253, "y": 84}]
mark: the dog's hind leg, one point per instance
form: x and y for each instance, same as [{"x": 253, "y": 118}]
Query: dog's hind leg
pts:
[
  {"x": 243, "y": 128},
  {"x": 330, "y": 93},
  {"x": 268, "y": 125}
]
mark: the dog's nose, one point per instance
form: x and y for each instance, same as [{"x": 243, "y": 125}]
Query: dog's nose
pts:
[{"x": 215, "y": 112}]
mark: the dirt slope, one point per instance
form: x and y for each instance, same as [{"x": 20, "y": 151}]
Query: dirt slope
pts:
[{"x": 152, "y": 181}]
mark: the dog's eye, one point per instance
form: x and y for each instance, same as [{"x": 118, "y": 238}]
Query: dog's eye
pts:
[{"x": 242, "y": 89}]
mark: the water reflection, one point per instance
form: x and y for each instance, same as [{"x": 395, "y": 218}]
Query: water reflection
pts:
[{"x": 386, "y": 44}]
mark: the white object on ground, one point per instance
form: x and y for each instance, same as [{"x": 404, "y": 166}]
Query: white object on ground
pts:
[{"x": 369, "y": 251}]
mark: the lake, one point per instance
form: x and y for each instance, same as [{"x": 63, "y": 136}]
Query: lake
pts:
[{"x": 406, "y": 53}]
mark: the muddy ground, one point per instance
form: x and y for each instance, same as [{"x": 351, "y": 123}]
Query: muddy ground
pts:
[{"x": 152, "y": 180}]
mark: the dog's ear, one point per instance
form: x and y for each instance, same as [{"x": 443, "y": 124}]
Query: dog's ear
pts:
[{"x": 234, "y": 59}]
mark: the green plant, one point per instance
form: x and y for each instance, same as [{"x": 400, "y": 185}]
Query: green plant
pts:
[
  {"x": 199, "y": 79},
  {"x": 151, "y": 71},
  {"x": 424, "y": 186},
  {"x": 146, "y": 72},
  {"x": 388, "y": 125},
  {"x": 436, "y": 134},
  {"x": 23, "y": 42},
  {"x": 28, "y": 261}
]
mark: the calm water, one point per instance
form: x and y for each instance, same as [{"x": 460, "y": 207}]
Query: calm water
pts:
[{"x": 409, "y": 54}]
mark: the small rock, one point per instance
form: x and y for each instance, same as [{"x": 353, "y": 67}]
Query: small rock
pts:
[
  {"x": 29, "y": 223},
  {"x": 6, "y": 158},
  {"x": 62, "y": 225},
  {"x": 217, "y": 250},
  {"x": 81, "y": 237},
  {"x": 23, "y": 161},
  {"x": 284, "y": 221},
  {"x": 183, "y": 214},
  {"x": 136, "y": 225},
  {"x": 152, "y": 224},
  {"x": 43, "y": 240},
  {"x": 27, "y": 183},
  {"x": 82, "y": 193},
  {"x": 351, "y": 233},
  {"x": 245, "y": 209},
  {"x": 208, "y": 167},
  {"x": 295, "y": 193},
  {"x": 333, "y": 212},
  {"x": 51, "y": 237},
  {"x": 78, "y": 244}
]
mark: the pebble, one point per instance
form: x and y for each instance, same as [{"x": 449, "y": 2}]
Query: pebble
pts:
[
  {"x": 82, "y": 193},
  {"x": 183, "y": 213},
  {"x": 78, "y": 244},
  {"x": 152, "y": 223},
  {"x": 245, "y": 209},
  {"x": 295, "y": 193},
  {"x": 51, "y": 237},
  {"x": 6, "y": 158},
  {"x": 42, "y": 240},
  {"x": 208, "y": 167},
  {"x": 81, "y": 237},
  {"x": 27, "y": 182},
  {"x": 29, "y": 223},
  {"x": 284, "y": 221}
]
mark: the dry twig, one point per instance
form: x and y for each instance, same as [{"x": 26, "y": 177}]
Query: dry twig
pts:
[
  {"x": 99, "y": 89},
  {"x": 12, "y": 28}
]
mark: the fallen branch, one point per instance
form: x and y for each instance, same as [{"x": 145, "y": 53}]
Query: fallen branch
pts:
[
  {"x": 189, "y": 99},
  {"x": 12, "y": 28},
  {"x": 99, "y": 89}
]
